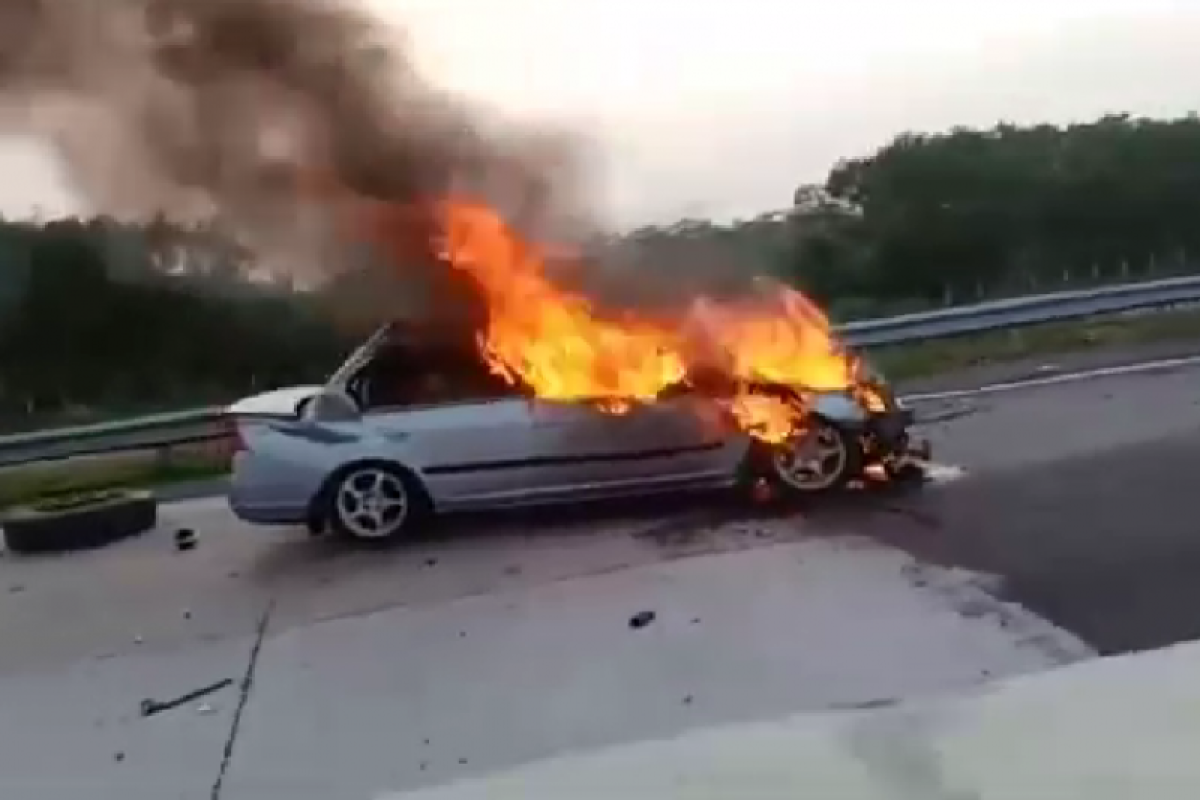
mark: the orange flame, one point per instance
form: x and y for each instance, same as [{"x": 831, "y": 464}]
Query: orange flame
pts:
[
  {"x": 547, "y": 337},
  {"x": 553, "y": 341}
]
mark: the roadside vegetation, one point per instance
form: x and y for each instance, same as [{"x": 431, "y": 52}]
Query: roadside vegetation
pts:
[
  {"x": 927, "y": 359},
  {"x": 102, "y": 319},
  {"x": 56, "y": 479}
]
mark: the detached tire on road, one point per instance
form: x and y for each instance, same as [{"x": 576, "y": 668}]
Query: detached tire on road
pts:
[{"x": 79, "y": 522}]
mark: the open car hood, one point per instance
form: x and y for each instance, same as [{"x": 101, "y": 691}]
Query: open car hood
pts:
[{"x": 278, "y": 402}]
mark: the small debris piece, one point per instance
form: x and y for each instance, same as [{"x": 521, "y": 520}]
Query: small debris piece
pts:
[
  {"x": 695, "y": 620},
  {"x": 185, "y": 539},
  {"x": 641, "y": 619},
  {"x": 205, "y": 708},
  {"x": 431, "y": 562},
  {"x": 462, "y": 761},
  {"x": 16, "y": 588},
  {"x": 150, "y": 706},
  {"x": 118, "y": 756},
  {"x": 187, "y": 613},
  {"x": 687, "y": 701},
  {"x": 424, "y": 764},
  {"x": 138, "y": 639}
]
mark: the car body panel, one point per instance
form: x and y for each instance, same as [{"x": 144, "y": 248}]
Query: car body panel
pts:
[
  {"x": 283, "y": 402},
  {"x": 497, "y": 450}
]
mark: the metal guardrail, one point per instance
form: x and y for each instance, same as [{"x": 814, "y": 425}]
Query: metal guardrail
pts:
[{"x": 209, "y": 424}]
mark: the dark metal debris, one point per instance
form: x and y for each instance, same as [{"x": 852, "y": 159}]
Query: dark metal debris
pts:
[
  {"x": 151, "y": 706},
  {"x": 185, "y": 539},
  {"x": 641, "y": 619}
]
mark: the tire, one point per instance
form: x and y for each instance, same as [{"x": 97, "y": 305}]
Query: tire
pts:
[
  {"x": 79, "y": 522},
  {"x": 375, "y": 502},
  {"x": 838, "y": 453}
]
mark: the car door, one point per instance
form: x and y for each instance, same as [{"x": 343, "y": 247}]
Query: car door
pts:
[
  {"x": 682, "y": 438},
  {"x": 467, "y": 451},
  {"x": 474, "y": 440}
]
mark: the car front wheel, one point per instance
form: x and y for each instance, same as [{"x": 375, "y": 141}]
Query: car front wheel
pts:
[
  {"x": 375, "y": 503},
  {"x": 820, "y": 458}
]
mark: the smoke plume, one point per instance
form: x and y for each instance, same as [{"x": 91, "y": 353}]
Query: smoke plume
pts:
[{"x": 269, "y": 116}]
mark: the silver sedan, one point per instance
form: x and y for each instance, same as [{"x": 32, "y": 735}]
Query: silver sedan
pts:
[{"x": 391, "y": 439}]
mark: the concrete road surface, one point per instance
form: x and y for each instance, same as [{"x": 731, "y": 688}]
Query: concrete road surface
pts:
[{"x": 507, "y": 641}]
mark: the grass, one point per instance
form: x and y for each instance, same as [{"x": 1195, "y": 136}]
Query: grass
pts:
[
  {"x": 38, "y": 481},
  {"x": 905, "y": 362},
  {"x": 33, "y": 482}
]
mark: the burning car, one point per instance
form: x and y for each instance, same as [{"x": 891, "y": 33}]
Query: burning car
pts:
[
  {"x": 550, "y": 399},
  {"x": 406, "y": 428}
]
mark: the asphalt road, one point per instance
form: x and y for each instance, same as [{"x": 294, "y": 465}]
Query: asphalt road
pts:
[
  {"x": 1079, "y": 496},
  {"x": 1083, "y": 496}
]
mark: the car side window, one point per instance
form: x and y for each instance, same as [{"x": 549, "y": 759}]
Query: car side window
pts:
[{"x": 399, "y": 383}]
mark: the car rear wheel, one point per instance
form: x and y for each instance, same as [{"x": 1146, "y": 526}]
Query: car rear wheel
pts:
[
  {"x": 375, "y": 502},
  {"x": 821, "y": 458}
]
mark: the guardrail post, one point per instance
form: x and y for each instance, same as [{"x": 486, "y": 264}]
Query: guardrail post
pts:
[{"x": 163, "y": 458}]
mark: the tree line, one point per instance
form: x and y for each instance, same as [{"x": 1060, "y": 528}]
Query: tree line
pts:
[{"x": 102, "y": 317}]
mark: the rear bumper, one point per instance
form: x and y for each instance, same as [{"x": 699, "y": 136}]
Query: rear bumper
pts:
[
  {"x": 261, "y": 514},
  {"x": 265, "y": 491}
]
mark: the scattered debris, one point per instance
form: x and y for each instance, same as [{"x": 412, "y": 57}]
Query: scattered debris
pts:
[
  {"x": 185, "y": 539},
  {"x": 641, "y": 619},
  {"x": 151, "y": 706}
]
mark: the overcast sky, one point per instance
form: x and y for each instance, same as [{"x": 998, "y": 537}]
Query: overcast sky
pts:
[{"x": 721, "y": 107}]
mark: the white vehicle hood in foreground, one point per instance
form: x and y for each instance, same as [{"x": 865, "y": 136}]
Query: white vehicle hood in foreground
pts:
[
  {"x": 1121, "y": 727},
  {"x": 277, "y": 401}
]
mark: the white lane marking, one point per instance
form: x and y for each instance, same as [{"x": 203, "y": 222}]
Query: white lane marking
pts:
[{"x": 1070, "y": 377}]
